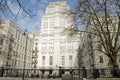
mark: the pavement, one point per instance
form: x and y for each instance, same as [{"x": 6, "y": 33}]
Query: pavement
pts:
[{"x": 13, "y": 78}]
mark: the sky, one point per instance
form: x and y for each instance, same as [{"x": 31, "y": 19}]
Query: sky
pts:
[{"x": 35, "y": 9}]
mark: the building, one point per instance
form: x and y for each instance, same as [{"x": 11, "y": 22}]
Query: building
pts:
[
  {"x": 15, "y": 47},
  {"x": 35, "y": 35},
  {"x": 56, "y": 49},
  {"x": 93, "y": 56}
]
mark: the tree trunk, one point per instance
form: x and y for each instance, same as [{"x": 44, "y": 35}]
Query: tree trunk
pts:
[{"x": 115, "y": 65}]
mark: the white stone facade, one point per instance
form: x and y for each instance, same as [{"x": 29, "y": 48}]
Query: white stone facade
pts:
[
  {"x": 55, "y": 47},
  {"x": 13, "y": 44}
]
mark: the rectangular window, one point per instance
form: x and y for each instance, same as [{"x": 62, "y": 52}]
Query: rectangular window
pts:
[
  {"x": 99, "y": 47},
  {"x": 62, "y": 23},
  {"x": 51, "y": 60},
  {"x": 43, "y": 60},
  {"x": 62, "y": 47},
  {"x": 52, "y": 19},
  {"x": 45, "y": 19},
  {"x": 52, "y": 24},
  {"x": 44, "y": 37},
  {"x": 36, "y": 43},
  {"x": 1, "y": 41},
  {"x": 102, "y": 72},
  {"x": 45, "y": 25},
  {"x": 70, "y": 47},
  {"x": 51, "y": 43},
  {"x": 70, "y": 60},
  {"x": 119, "y": 58},
  {"x": 36, "y": 49},
  {"x": 63, "y": 60},
  {"x": 43, "y": 52},
  {"x": 51, "y": 37},
  {"x": 44, "y": 43},
  {"x": 101, "y": 59},
  {"x": 51, "y": 52},
  {"x": 51, "y": 47}
]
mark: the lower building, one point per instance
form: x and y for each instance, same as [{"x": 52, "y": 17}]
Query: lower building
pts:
[
  {"x": 15, "y": 47},
  {"x": 95, "y": 42}
]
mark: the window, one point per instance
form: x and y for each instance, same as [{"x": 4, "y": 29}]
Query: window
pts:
[
  {"x": 44, "y": 43},
  {"x": 44, "y": 37},
  {"x": 51, "y": 43},
  {"x": 63, "y": 60},
  {"x": 70, "y": 47},
  {"x": 119, "y": 58},
  {"x": 36, "y": 48},
  {"x": 70, "y": 60},
  {"x": 45, "y": 25},
  {"x": 43, "y": 60},
  {"x": 62, "y": 23},
  {"x": 70, "y": 52},
  {"x": 43, "y": 52},
  {"x": 36, "y": 44},
  {"x": 51, "y": 52},
  {"x": 50, "y": 10},
  {"x": 52, "y": 24},
  {"x": 51, "y": 60},
  {"x": 102, "y": 71},
  {"x": 110, "y": 63},
  {"x": 44, "y": 47},
  {"x": 99, "y": 47},
  {"x": 45, "y": 19},
  {"x": 45, "y": 31},
  {"x": 62, "y": 37},
  {"x": 51, "y": 47},
  {"x": 1, "y": 41},
  {"x": 36, "y": 39},
  {"x": 62, "y": 47},
  {"x": 51, "y": 37},
  {"x": 101, "y": 59},
  {"x": 52, "y": 19}
]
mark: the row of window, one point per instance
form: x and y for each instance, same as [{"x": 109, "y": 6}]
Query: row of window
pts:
[
  {"x": 60, "y": 52},
  {"x": 62, "y": 60},
  {"x": 51, "y": 43},
  {"x": 61, "y": 47},
  {"x": 101, "y": 60}
]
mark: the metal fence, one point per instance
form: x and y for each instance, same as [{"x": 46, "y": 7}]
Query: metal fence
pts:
[
  {"x": 72, "y": 74},
  {"x": 97, "y": 73}
]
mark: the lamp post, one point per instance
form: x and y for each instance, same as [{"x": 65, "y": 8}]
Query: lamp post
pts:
[
  {"x": 92, "y": 55},
  {"x": 24, "y": 63}
]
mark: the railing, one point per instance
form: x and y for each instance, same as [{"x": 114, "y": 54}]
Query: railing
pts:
[
  {"x": 73, "y": 74},
  {"x": 96, "y": 73}
]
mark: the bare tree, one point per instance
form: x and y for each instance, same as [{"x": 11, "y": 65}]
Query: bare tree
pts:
[
  {"x": 103, "y": 18},
  {"x": 5, "y": 7}
]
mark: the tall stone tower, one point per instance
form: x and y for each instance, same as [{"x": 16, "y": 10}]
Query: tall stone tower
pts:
[{"x": 55, "y": 48}]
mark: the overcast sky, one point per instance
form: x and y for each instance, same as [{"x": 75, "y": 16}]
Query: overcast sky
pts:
[{"x": 37, "y": 10}]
